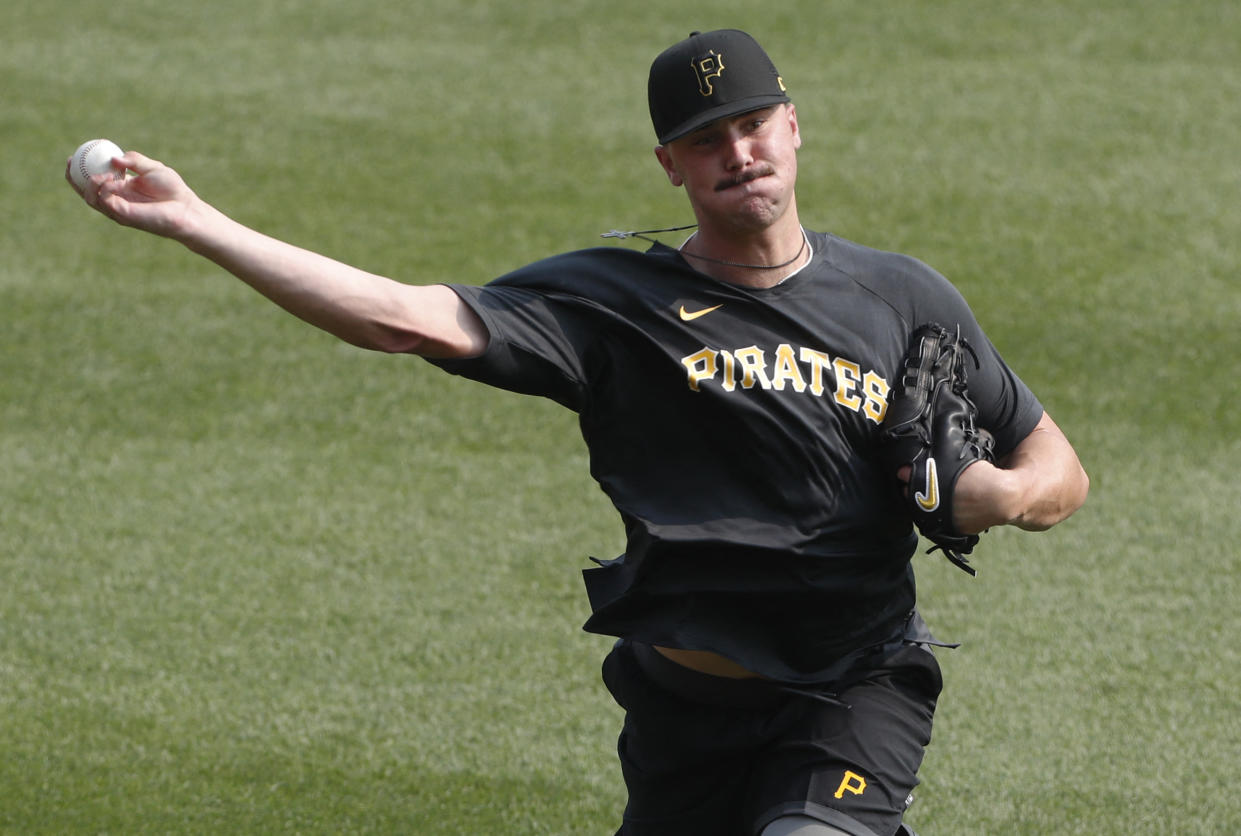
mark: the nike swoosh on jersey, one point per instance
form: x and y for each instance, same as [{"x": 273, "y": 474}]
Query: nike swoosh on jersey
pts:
[
  {"x": 690, "y": 316},
  {"x": 928, "y": 499}
]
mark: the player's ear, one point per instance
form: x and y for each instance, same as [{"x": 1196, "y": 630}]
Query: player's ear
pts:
[
  {"x": 792, "y": 116},
  {"x": 665, "y": 160}
]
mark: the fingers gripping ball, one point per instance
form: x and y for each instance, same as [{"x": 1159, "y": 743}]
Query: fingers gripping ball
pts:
[
  {"x": 94, "y": 157},
  {"x": 931, "y": 429}
]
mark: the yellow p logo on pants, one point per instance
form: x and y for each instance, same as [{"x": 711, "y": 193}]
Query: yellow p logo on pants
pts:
[{"x": 853, "y": 783}]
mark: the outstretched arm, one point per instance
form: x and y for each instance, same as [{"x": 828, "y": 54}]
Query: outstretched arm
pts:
[
  {"x": 1040, "y": 483},
  {"x": 358, "y": 307}
]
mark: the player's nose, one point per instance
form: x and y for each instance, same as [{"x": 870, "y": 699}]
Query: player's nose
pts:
[{"x": 738, "y": 152}]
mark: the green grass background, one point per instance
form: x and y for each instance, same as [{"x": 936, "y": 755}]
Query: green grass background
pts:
[{"x": 256, "y": 581}]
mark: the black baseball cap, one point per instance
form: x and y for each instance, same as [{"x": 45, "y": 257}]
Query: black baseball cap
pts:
[{"x": 710, "y": 76}]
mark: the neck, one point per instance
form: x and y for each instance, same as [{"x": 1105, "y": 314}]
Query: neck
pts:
[{"x": 758, "y": 260}]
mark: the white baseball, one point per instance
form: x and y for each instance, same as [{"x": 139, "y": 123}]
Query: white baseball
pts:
[{"x": 94, "y": 157}]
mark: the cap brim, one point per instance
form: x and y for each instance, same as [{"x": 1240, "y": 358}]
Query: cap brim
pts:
[{"x": 706, "y": 117}]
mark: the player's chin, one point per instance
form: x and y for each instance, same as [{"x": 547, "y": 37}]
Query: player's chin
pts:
[{"x": 757, "y": 212}]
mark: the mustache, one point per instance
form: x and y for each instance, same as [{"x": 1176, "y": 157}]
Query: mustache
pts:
[{"x": 744, "y": 177}]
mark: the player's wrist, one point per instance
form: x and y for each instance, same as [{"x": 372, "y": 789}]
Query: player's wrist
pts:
[
  {"x": 986, "y": 496},
  {"x": 1010, "y": 498},
  {"x": 200, "y": 227}
]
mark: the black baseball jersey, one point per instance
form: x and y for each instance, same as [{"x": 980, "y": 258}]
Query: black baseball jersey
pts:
[{"x": 736, "y": 431}]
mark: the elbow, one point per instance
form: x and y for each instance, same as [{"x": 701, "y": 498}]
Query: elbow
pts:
[
  {"x": 1059, "y": 504},
  {"x": 391, "y": 340},
  {"x": 435, "y": 324},
  {"x": 1078, "y": 492},
  {"x": 396, "y": 341},
  {"x": 1074, "y": 492},
  {"x": 377, "y": 338}
]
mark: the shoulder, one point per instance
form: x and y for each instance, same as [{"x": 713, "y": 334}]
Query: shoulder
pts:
[
  {"x": 607, "y": 281},
  {"x": 873, "y": 266},
  {"x": 905, "y": 283},
  {"x": 587, "y": 271}
]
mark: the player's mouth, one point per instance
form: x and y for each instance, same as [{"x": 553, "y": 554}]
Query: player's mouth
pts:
[{"x": 743, "y": 178}]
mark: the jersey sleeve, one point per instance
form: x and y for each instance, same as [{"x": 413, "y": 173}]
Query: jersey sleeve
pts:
[
  {"x": 536, "y": 343},
  {"x": 1007, "y": 408},
  {"x": 917, "y": 294}
]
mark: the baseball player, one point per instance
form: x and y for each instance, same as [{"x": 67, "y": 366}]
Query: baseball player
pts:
[{"x": 776, "y": 676}]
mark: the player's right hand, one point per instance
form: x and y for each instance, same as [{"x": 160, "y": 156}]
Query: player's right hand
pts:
[{"x": 151, "y": 197}]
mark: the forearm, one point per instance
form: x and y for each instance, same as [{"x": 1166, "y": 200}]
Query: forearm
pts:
[
  {"x": 1039, "y": 484},
  {"x": 1049, "y": 481},
  {"x": 359, "y": 307}
]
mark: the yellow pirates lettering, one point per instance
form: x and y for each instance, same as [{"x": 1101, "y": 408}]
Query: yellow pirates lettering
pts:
[
  {"x": 786, "y": 370},
  {"x": 851, "y": 783},
  {"x": 876, "y": 389},
  {"x": 848, "y": 376},
  {"x": 800, "y": 370},
  {"x": 700, "y": 366},
  {"x": 818, "y": 361},
  {"x": 753, "y": 364},
  {"x": 730, "y": 371}
]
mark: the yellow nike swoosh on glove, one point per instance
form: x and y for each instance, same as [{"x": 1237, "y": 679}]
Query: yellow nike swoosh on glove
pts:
[{"x": 928, "y": 500}]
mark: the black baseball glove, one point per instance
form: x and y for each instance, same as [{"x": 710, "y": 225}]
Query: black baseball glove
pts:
[{"x": 930, "y": 427}]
